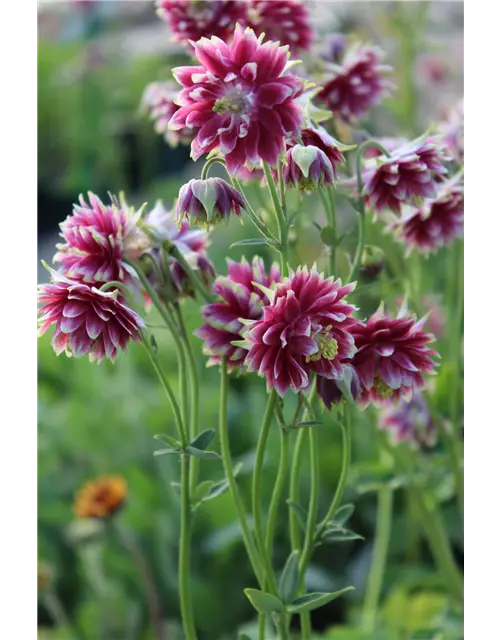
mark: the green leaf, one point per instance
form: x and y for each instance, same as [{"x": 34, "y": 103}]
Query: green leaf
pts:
[
  {"x": 202, "y": 491},
  {"x": 218, "y": 489},
  {"x": 203, "y": 439},
  {"x": 339, "y": 534},
  {"x": 255, "y": 242},
  {"x": 264, "y": 602},
  {"x": 154, "y": 345},
  {"x": 167, "y": 451},
  {"x": 342, "y": 515},
  {"x": 300, "y": 512},
  {"x": 170, "y": 440},
  {"x": 289, "y": 580},
  {"x": 314, "y": 600},
  {"x": 327, "y": 236},
  {"x": 303, "y": 425},
  {"x": 204, "y": 455}
]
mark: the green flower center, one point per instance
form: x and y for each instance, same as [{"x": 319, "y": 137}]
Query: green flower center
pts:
[
  {"x": 226, "y": 105},
  {"x": 328, "y": 347},
  {"x": 382, "y": 388}
]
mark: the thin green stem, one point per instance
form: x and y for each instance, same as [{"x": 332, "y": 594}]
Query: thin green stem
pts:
[
  {"x": 194, "y": 277},
  {"x": 194, "y": 387},
  {"x": 277, "y": 492},
  {"x": 184, "y": 552},
  {"x": 262, "y": 626},
  {"x": 295, "y": 535},
  {"x": 376, "y": 575},
  {"x": 254, "y": 217},
  {"x": 233, "y": 487},
  {"x": 313, "y": 501},
  {"x": 345, "y": 427},
  {"x": 56, "y": 611},
  {"x": 208, "y": 164},
  {"x": 280, "y": 218},
  {"x": 256, "y": 489},
  {"x": 361, "y": 203}
]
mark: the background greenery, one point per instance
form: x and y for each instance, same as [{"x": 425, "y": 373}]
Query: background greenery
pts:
[{"x": 100, "y": 419}]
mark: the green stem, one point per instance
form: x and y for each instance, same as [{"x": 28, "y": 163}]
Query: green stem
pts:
[
  {"x": 195, "y": 395},
  {"x": 56, "y": 611},
  {"x": 254, "y": 217},
  {"x": 295, "y": 535},
  {"x": 361, "y": 203},
  {"x": 433, "y": 524},
  {"x": 346, "y": 460},
  {"x": 277, "y": 492},
  {"x": 256, "y": 489},
  {"x": 280, "y": 218},
  {"x": 208, "y": 164},
  {"x": 329, "y": 206},
  {"x": 377, "y": 570},
  {"x": 262, "y": 626},
  {"x": 184, "y": 552},
  {"x": 195, "y": 279},
  {"x": 233, "y": 487}
]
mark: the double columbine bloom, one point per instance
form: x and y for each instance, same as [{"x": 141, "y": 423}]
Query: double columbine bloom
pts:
[{"x": 240, "y": 100}]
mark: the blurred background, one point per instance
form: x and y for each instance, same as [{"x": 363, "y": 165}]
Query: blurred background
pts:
[{"x": 94, "y": 61}]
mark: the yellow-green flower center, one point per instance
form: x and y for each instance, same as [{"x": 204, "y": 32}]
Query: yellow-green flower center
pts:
[
  {"x": 328, "y": 347},
  {"x": 382, "y": 388},
  {"x": 227, "y": 105}
]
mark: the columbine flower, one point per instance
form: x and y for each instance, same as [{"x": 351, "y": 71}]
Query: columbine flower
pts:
[
  {"x": 406, "y": 176},
  {"x": 334, "y": 392},
  {"x": 307, "y": 168},
  {"x": 409, "y": 422},
  {"x": 207, "y": 202},
  {"x": 436, "y": 223},
  {"x": 304, "y": 329},
  {"x": 190, "y": 242},
  {"x": 158, "y": 99},
  {"x": 392, "y": 354},
  {"x": 194, "y": 19},
  {"x": 284, "y": 20},
  {"x": 100, "y": 498},
  {"x": 238, "y": 297},
  {"x": 98, "y": 238},
  {"x": 241, "y": 99},
  {"x": 87, "y": 320},
  {"x": 359, "y": 82}
]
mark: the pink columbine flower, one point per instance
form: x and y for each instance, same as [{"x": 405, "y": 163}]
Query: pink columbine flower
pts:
[
  {"x": 195, "y": 19},
  {"x": 436, "y": 223},
  {"x": 409, "y": 421},
  {"x": 304, "y": 329},
  {"x": 359, "y": 82},
  {"x": 238, "y": 297},
  {"x": 87, "y": 320},
  {"x": 208, "y": 202},
  {"x": 189, "y": 241},
  {"x": 158, "y": 99},
  {"x": 409, "y": 174},
  {"x": 98, "y": 238},
  {"x": 286, "y": 21},
  {"x": 240, "y": 99},
  {"x": 392, "y": 356}
]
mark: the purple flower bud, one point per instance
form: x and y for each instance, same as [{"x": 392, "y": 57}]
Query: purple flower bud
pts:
[{"x": 206, "y": 203}]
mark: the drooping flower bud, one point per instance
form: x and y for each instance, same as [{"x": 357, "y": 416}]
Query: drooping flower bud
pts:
[
  {"x": 307, "y": 168},
  {"x": 206, "y": 203}
]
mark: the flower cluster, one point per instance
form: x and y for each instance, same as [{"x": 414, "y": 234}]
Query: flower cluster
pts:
[{"x": 158, "y": 99}]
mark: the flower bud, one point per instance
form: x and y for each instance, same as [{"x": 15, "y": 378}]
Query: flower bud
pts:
[
  {"x": 206, "y": 203},
  {"x": 307, "y": 168},
  {"x": 372, "y": 262}
]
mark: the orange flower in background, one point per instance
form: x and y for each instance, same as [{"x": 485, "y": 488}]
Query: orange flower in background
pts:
[{"x": 100, "y": 498}]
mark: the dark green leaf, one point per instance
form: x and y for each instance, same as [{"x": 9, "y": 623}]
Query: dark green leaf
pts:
[
  {"x": 314, "y": 600},
  {"x": 300, "y": 512},
  {"x": 162, "y": 437},
  {"x": 204, "y": 455},
  {"x": 221, "y": 487},
  {"x": 202, "y": 491},
  {"x": 255, "y": 242},
  {"x": 343, "y": 514},
  {"x": 312, "y": 423},
  {"x": 327, "y": 236},
  {"x": 289, "y": 580},
  {"x": 166, "y": 452},
  {"x": 203, "y": 439},
  {"x": 339, "y": 535},
  {"x": 264, "y": 602}
]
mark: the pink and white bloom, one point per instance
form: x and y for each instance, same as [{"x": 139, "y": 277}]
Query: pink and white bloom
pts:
[
  {"x": 304, "y": 329},
  {"x": 195, "y": 19},
  {"x": 392, "y": 356},
  {"x": 240, "y": 100},
  {"x": 238, "y": 297},
  {"x": 358, "y": 83},
  {"x": 286, "y": 21},
  {"x": 208, "y": 202},
  {"x": 436, "y": 223},
  {"x": 98, "y": 238},
  {"x": 87, "y": 321},
  {"x": 406, "y": 176},
  {"x": 158, "y": 100},
  {"x": 409, "y": 421}
]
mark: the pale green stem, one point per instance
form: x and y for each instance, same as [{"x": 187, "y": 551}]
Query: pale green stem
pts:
[
  {"x": 377, "y": 570},
  {"x": 184, "y": 552},
  {"x": 277, "y": 492},
  {"x": 280, "y": 218},
  {"x": 248, "y": 540}
]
